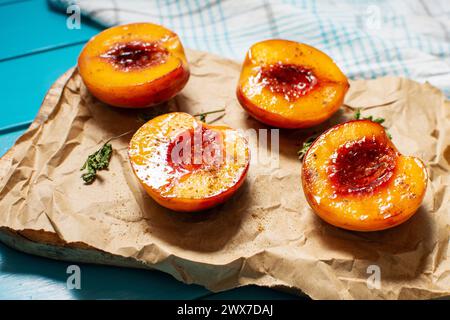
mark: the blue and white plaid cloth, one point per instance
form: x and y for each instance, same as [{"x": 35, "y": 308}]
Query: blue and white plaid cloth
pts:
[{"x": 367, "y": 39}]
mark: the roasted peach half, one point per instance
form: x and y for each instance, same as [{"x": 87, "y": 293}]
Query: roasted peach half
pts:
[
  {"x": 288, "y": 84},
  {"x": 135, "y": 65},
  {"x": 354, "y": 178},
  {"x": 187, "y": 165}
]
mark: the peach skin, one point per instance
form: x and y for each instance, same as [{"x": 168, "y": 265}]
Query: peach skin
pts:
[
  {"x": 187, "y": 165},
  {"x": 287, "y": 84},
  {"x": 354, "y": 178},
  {"x": 134, "y": 66}
]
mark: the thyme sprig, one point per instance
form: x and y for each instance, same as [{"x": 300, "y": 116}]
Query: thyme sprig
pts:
[
  {"x": 358, "y": 116},
  {"x": 305, "y": 147},
  {"x": 99, "y": 160},
  {"x": 202, "y": 116},
  {"x": 371, "y": 118}
]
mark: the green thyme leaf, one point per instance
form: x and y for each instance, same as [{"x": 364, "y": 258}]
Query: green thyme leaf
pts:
[
  {"x": 358, "y": 116},
  {"x": 89, "y": 177},
  {"x": 99, "y": 160},
  {"x": 377, "y": 120},
  {"x": 202, "y": 116},
  {"x": 305, "y": 147}
]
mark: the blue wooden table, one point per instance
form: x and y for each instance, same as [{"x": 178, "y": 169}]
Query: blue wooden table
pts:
[{"x": 37, "y": 47}]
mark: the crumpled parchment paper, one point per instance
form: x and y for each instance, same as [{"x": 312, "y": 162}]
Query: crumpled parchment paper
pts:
[{"x": 266, "y": 234}]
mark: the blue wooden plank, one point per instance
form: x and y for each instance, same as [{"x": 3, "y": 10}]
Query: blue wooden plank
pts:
[
  {"x": 29, "y": 27},
  {"x": 28, "y": 277},
  {"x": 10, "y": 2},
  {"x": 8, "y": 139},
  {"x": 26, "y": 80}
]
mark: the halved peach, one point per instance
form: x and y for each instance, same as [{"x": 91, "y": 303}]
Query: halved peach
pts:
[
  {"x": 288, "y": 84},
  {"x": 135, "y": 65},
  {"x": 354, "y": 178},
  {"x": 187, "y": 165}
]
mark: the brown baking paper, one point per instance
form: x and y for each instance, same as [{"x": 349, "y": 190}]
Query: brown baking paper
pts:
[{"x": 266, "y": 234}]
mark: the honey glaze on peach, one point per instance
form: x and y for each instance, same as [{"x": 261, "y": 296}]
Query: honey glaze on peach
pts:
[
  {"x": 361, "y": 166},
  {"x": 136, "y": 55},
  {"x": 162, "y": 159},
  {"x": 290, "y": 80}
]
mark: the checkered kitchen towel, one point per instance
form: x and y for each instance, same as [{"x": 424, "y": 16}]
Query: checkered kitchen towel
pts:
[{"x": 367, "y": 39}]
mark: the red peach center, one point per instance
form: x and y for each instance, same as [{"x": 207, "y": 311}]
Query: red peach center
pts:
[
  {"x": 361, "y": 166},
  {"x": 291, "y": 80},
  {"x": 136, "y": 55}
]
